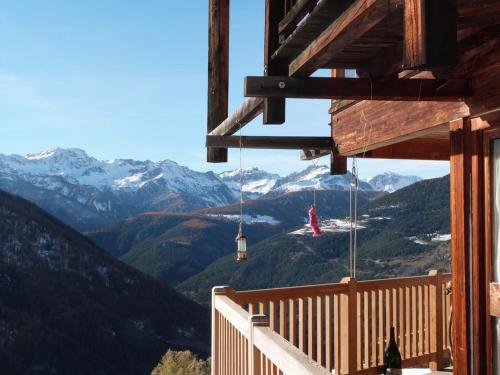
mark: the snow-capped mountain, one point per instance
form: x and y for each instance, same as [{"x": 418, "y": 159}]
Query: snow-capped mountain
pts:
[
  {"x": 256, "y": 182},
  {"x": 390, "y": 182},
  {"x": 315, "y": 177},
  {"x": 89, "y": 193},
  {"x": 67, "y": 180}
]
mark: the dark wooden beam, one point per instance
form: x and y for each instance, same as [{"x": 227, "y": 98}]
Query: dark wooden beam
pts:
[
  {"x": 285, "y": 143},
  {"x": 338, "y": 164},
  {"x": 430, "y": 34},
  {"x": 274, "y": 108},
  {"x": 357, "y": 88},
  {"x": 295, "y": 15},
  {"x": 245, "y": 113},
  {"x": 218, "y": 72},
  {"x": 359, "y": 18}
]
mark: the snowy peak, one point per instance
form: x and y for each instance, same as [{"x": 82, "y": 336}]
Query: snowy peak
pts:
[
  {"x": 390, "y": 182},
  {"x": 315, "y": 178},
  {"x": 256, "y": 182}
]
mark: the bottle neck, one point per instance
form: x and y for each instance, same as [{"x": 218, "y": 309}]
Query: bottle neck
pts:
[{"x": 392, "y": 337}]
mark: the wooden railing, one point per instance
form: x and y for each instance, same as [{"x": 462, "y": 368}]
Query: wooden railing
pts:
[{"x": 342, "y": 327}]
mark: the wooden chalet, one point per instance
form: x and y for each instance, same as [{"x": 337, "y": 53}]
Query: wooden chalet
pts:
[{"x": 427, "y": 87}]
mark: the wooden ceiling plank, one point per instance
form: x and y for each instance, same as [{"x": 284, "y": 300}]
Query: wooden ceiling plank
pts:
[
  {"x": 295, "y": 15},
  {"x": 352, "y": 24}
]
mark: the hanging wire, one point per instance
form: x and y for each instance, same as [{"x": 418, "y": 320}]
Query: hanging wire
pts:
[
  {"x": 314, "y": 188},
  {"x": 241, "y": 179},
  {"x": 353, "y": 203}
]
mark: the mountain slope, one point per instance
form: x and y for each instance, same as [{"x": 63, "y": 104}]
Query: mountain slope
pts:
[
  {"x": 403, "y": 233},
  {"x": 67, "y": 306},
  {"x": 174, "y": 247}
]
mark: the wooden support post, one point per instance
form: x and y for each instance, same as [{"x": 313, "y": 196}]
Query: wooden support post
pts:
[
  {"x": 218, "y": 72},
  {"x": 216, "y": 291},
  {"x": 348, "y": 327},
  {"x": 436, "y": 320},
  {"x": 430, "y": 33},
  {"x": 274, "y": 108},
  {"x": 460, "y": 211},
  {"x": 254, "y": 364}
]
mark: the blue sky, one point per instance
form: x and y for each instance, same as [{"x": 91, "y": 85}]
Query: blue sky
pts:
[{"x": 127, "y": 79}]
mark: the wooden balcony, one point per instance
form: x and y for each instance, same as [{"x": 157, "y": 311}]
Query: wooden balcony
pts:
[{"x": 332, "y": 328}]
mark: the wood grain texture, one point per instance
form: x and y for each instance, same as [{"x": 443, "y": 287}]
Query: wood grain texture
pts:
[
  {"x": 371, "y": 125},
  {"x": 460, "y": 168},
  {"x": 430, "y": 33}
]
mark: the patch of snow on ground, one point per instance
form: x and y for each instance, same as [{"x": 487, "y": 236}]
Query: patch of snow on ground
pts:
[
  {"x": 250, "y": 219},
  {"x": 417, "y": 240},
  {"x": 441, "y": 238},
  {"x": 330, "y": 226}
]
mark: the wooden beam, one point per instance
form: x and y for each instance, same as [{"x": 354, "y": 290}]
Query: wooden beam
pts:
[
  {"x": 425, "y": 148},
  {"x": 218, "y": 72},
  {"x": 430, "y": 33},
  {"x": 295, "y": 15},
  {"x": 338, "y": 164},
  {"x": 322, "y": 16},
  {"x": 245, "y": 113},
  {"x": 285, "y": 143},
  {"x": 360, "y": 17},
  {"x": 274, "y": 108},
  {"x": 313, "y": 154},
  {"x": 357, "y": 88},
  {"x": 371, "y": 125}
]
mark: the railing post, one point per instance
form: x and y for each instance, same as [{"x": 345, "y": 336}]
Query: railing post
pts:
[
  {"x": 436, "y": 320},
  {"x": 258, "y": 320},
  {"x": 216, "y": 291},
  {"x": 348, "y": 327}
]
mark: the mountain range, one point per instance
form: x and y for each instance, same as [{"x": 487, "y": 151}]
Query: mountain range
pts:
[
  {"x": 68, "y": 307},
  {"x": 88, "y": 193}
]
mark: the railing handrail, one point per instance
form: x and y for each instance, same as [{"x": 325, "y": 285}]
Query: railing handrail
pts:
[
  {"x": 252, "y": 296},
  {"x": 257, "y": 295},
  {"x": 278, "y": 350}
]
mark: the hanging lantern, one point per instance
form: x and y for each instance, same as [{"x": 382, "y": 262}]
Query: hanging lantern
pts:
[{"x": 241, "y": 241}]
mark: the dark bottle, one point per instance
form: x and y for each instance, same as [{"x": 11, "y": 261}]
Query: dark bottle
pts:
[{"x": 392, "y": 357}]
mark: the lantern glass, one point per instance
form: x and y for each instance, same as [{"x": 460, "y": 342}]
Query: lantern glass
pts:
[{"x": 242, "y": 248}]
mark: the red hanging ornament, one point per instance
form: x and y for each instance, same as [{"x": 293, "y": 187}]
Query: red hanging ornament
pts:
[{"x": 313, "y": 221}]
